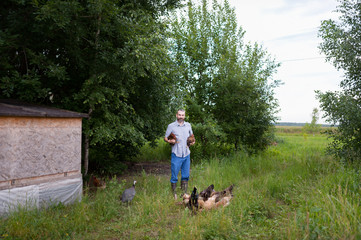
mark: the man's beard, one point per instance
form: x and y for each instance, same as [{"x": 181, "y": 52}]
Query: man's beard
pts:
[{"x": 180, "y": 120}]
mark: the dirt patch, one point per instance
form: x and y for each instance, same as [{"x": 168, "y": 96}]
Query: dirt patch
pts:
[{"x": 158, "y": 168}]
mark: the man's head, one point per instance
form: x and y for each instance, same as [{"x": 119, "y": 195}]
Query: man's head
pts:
[{"x": 181, "y": 114}]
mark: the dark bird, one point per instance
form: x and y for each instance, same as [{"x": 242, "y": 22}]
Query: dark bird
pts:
[
  {"x": 129, "y": 194},
  {"x": 193, "y": 200},
  {"x": 205, "y": 194}
]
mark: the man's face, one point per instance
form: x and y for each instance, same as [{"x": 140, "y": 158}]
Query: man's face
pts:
[{"x": 180, "y": 116}]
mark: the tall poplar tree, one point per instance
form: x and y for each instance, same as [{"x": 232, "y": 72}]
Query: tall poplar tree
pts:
[{"x": 226, "y": 83}]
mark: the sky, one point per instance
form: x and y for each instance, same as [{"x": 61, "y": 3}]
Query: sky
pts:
[{"x": 288, "y": 29}]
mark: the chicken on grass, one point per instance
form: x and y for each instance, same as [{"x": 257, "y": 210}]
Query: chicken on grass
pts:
[{"x": 208, "y": 198}]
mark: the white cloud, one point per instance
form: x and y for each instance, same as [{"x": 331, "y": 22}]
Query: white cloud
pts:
[{"x": 288, "y": 30}]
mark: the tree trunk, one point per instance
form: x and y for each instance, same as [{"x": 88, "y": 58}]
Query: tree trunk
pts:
[
  {"x": 87, "y": 140},
  {"x": 86, "y": 147},
  {"x": 86, "y": 155}
]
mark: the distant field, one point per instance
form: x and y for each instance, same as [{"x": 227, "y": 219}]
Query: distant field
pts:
[{"x": 297, "y": 129}]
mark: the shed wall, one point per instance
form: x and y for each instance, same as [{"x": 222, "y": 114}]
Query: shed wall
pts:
[{"x": 33, "y": 147}]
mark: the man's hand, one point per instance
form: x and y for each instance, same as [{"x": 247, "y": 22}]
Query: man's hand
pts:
[{"x": 172, "y": 141}]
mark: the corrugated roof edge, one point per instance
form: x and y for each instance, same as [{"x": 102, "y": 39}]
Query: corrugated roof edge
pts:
[{"x": 17, "y": 108}]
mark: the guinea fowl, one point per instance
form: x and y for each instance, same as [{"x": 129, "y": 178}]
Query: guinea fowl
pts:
[{"x": 128, "y": 194}]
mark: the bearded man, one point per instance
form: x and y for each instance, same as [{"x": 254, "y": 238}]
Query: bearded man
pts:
[{"x": 177, "y": 134}]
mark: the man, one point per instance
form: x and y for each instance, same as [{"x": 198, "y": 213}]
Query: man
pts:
[{"x": 180, "y": 159}]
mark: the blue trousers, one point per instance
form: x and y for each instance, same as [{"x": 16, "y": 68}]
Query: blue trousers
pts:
[{"x": 180, "y": 163}]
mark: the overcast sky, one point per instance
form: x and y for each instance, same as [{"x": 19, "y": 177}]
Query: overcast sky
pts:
[{"x": 288, "y": 31}]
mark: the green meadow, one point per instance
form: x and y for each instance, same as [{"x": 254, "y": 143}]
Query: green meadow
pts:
[{"x": 290, "y": 191}]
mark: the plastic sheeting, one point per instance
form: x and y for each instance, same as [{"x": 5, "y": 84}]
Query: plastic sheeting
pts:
[{"x": 41, "y": 195}]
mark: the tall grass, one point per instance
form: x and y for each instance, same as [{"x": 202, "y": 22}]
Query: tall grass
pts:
[
  {"x": 291, "y": 191},
  {"x": 156, "y": 152}
]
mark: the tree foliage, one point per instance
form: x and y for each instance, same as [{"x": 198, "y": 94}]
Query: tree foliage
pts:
[
  {"x": 117, "y": 61},
  {"x": 342, "y": 46},
  {"x": 106, "y": 58},
  {"x": 226, "y": 83},
  {"x": 313, "y": 127}
]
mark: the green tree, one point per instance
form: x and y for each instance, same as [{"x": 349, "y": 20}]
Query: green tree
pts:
[
  {"x": 106, "y": 58},
  {"x": 313, "y": 127},
  {"x": 225, "y": 82},
  {"x": 342, "y": 45}
]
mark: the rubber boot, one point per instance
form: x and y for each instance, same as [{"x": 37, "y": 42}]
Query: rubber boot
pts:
[
  {"x": 174, "y": 187},
  {"x": 184, "y": 186}
]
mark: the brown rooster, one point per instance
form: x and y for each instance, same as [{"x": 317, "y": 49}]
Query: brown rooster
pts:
[
  {"x": 190, "y": 140},
  {"x": 172, "y": 136},
  {"x": 96, "y": 183}
]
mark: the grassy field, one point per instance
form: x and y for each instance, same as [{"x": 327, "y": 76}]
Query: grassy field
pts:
[{"x": 291, "y": 191}]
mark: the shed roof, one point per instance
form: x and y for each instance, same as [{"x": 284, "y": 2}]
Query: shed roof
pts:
[{"x": 16, "y": 108}]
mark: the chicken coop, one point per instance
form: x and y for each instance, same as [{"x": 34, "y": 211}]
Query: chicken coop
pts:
[{"x": 40, "y": 155}]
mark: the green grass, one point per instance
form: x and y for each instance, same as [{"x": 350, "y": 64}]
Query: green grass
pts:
[
  {"x": 291, "y": 191},
  {"x": 148, "y": 153},
  {"x": 298, "y": 129}
]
